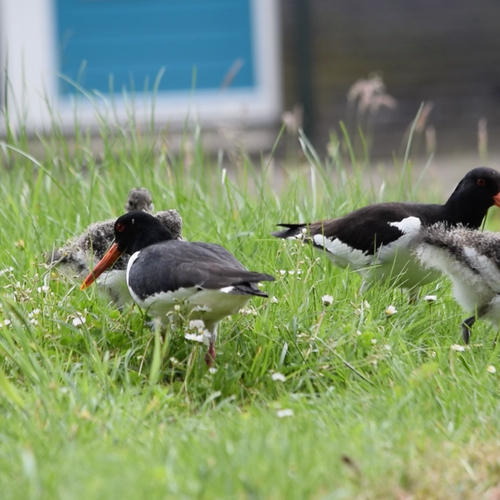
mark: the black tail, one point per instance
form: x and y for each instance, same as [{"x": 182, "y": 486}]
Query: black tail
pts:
[
  {"x": 250, "y": 286},
  {"x": 291, "y": 231}
]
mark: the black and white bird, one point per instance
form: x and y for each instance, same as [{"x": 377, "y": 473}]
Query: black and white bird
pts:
[
  {"x": 471, "y": 259},
  {"x": 376, "y": 240},
  {"x": 79, "y": 255},
  {"x": 163, "y": 272}
]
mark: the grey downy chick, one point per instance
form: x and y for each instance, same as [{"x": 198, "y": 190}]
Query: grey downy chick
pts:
[
  {"x": 81, "y": 254},
  {"x": 471, "y": 259}
]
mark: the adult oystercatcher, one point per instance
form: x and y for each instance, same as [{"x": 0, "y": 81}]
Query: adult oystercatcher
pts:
[
  {"x": 77, "y": 257},
  {"x": 471, "y": 259},
  {"x": 376, "y": 240},
  {"x": 163, "y": 272}
]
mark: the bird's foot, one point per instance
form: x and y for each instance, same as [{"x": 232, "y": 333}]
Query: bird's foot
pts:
[
  {"x": 210, "y": 355},
  {"x": 467, "y": 327}
]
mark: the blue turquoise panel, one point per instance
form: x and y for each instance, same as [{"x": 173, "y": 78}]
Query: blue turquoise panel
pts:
[{"x": 130, "y": 41}]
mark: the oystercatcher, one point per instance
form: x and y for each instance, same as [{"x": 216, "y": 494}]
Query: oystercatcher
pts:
[
  {"x": 471, "y": 259},
  {"x": 163, "y": 272},
  {"x": 75, "y": 258},
  {"x": 376, "y": 240}
]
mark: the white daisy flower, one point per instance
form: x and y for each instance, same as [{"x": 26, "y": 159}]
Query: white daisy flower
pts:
[
  {"x": 491, "y": 369},
  {"x": 278, "y": 377},
  {"x": 6, "y": 270},
  {"x": 202, "y": 308},
  {"x": 458, "y": 347},
  {"x": 34, "y": 313},
  {"x": 327, "y": 300},
  {"x": 391, "y": 310},
  {"x": 248, "y": 311},
  {"x": 286, "y": 412},
  {"x": 196, "y": 324},
  {"x": 78, "y": 320},
  {"x": 193, "y": 337}
]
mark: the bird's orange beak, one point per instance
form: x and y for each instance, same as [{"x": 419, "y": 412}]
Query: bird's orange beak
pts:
[
  {"x": 110, "y": 257},
  {"x": 496, "y": 199}
]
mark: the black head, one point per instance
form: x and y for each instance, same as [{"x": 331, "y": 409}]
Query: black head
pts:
[
  {"x": 475, "y": 194},
  {"x": 137, "y": 230},
  {"x": 139, "y": 199}
]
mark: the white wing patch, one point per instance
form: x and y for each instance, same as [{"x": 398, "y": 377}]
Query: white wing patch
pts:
[
  {"x": 342, "y": 254},
  {"x": 409, "y": 225}
]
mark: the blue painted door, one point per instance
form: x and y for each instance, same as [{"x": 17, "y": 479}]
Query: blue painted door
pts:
[{"x": 109, "y": 45}]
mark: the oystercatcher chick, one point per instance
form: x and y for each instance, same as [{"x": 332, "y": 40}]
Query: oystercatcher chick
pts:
[
  {"x": 77, "y": 257},
  {"x": 471, "y": 259},
  {"x": 376, "y": 240},
  {"x": 163, "y": 272}
]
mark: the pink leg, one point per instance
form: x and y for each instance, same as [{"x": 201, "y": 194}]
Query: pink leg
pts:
[{"x": 210, "y": 355}]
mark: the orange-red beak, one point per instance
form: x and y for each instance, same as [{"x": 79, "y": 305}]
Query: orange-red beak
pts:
[
  {"x": 496, "y": 199},
  {"x": 110, "y": 257}
]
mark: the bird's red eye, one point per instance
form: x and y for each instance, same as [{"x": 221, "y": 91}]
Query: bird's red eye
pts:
[
  {"x": 120, "y": 227},
  {"x": 481, "y": 182}
]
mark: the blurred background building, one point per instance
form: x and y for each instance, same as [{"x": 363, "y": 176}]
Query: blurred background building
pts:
[{"x": 241, "y": 63}]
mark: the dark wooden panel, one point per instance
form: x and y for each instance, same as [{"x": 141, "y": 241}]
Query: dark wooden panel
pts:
[{"x": 447, "y": 51}]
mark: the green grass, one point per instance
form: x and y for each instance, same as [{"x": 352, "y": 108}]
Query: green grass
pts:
[{"x": 382, "y": 406}]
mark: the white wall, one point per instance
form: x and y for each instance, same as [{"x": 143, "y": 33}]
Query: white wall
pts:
[{"x": 29, "y": 54}]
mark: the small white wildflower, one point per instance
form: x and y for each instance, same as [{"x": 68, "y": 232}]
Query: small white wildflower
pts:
[
  {"x": 387, "y": 347},
  {"x": 248, "y": 311},
  {"x": 358, "y": 332},
  {"x": 177, "y": 307},
  {"x": 430, "y": 298},
  {"x": 327, "y": 300},
  {"x": 390, "y": 311},
  {"x": 432, "y": 354},
  {"x": 212, "y": 370},
  {"x": 34, "y": 313},
  {"x": 274, "y": 300},
  {"x": 34, "y": 321},
  {"x": 491, "y": 369},
  {"x": 374, "y": 341},
  {"x": 6, "y": 322},
  {"x": 278, "y": 377},
  {"x": 6, "y": 270},
  {"x": 196, "y": 324},
  {"x": 79, "y": 320},
  {"x": 193, "y": 337},
  {"x": 458, "y": 347},
  {"x": 282, "y": 272},
  {"x": 202, "y": 308},
  {"x": 43, "y": 289},
  {"x": 366, "y": 304},
  {"x": 286, "y": 412}
]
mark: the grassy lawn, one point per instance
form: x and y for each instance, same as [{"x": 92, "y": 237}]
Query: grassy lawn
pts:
[{"x": 370, "y": 406}]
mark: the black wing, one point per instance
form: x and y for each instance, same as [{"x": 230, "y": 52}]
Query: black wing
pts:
[{"x": 171, "y": 265}]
